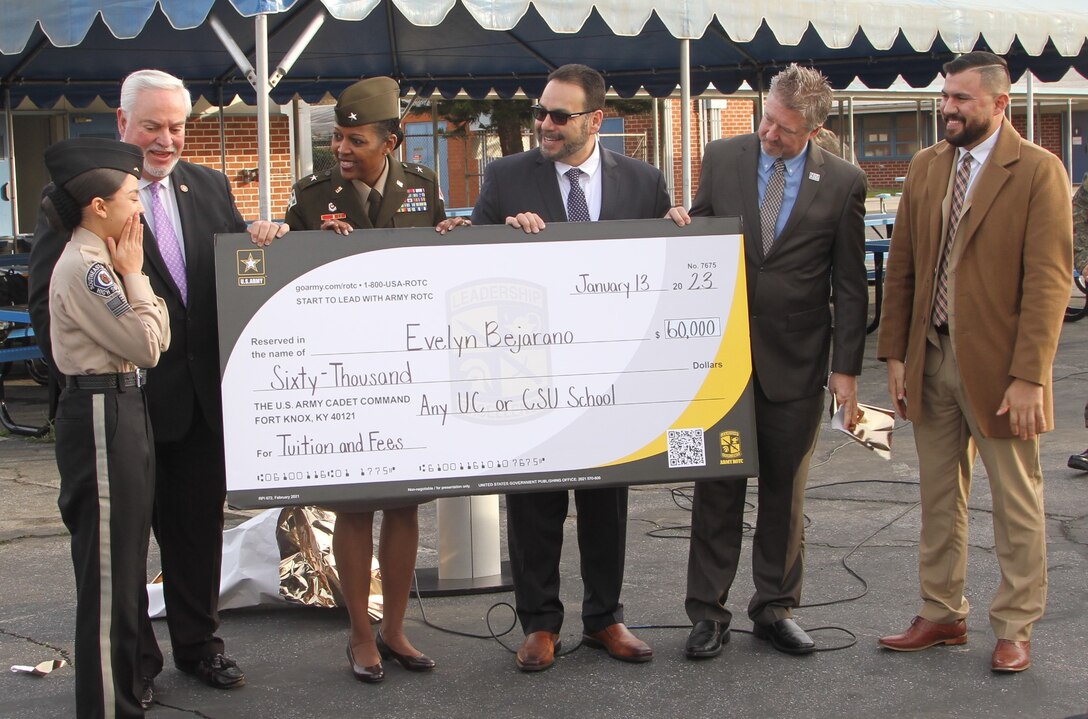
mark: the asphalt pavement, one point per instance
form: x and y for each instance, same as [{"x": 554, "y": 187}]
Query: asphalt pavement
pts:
[{"x": 861, "y": 582}]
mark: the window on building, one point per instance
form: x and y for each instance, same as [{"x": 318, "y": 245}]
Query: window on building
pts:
[
  {"x": 886, "y": 136},
  {"x": 891, "y": 136}
]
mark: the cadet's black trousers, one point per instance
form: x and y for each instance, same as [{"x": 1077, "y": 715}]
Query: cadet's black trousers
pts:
[{"x": 107, "y": 479}]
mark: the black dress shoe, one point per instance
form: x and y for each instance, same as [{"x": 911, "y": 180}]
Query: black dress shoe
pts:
[
  {"x": 147, "y": 693},
  {"x": 706, "y": 639},
  {"x": 418, "y": 663},
  {"x": 217, "y": 671},
  {"x": 785, "y": 636},
  {"x": 371, "y": 675}
]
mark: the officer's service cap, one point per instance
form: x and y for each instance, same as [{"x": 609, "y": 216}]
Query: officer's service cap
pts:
[
  {"x": 70, "y": 158},
  {"x": 371, "y": 100}
]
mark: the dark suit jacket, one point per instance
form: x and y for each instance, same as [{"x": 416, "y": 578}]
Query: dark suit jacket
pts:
[
  {"x": 821, "y": 251},
  {"x": 526, "y": 182},
  {"x": 186, "y": 380}
]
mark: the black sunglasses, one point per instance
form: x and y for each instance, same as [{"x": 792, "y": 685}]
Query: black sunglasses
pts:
[{"x": 558, "y": 116}]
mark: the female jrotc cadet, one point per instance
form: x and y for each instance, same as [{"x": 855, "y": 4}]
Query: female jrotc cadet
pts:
[
  {"x": 370, "y": 189},
  {"x": 106, "y": 324}
]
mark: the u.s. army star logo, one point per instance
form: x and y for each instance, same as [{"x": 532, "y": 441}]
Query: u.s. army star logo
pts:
[{"x": 250, "y": 267}]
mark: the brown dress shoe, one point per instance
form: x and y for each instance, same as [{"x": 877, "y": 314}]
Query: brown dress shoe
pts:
[
  {"x": 537, "y": 652},
  {"x": 923, "y": 634},
  {"x": 620, "y": 643},
  {"x": 1010, "y": 656}
]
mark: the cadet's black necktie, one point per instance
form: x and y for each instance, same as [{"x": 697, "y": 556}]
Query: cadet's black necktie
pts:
[{"x": 374, "y": 203}]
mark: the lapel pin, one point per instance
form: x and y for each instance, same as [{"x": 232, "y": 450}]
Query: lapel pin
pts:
[
  {"x": 337, "y": 190},
  {"x": 400, "y": 184},
  {"x": 313, "y": 178},
  {"x": 332, "y": 207},
  {"x": 814, "y": 176},
  {"x": 184, "y": 188}
]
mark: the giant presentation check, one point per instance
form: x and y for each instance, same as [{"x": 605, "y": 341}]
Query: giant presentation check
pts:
[{"x": 405, "y": 365}]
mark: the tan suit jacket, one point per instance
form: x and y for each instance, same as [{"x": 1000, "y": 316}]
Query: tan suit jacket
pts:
[{"x": 1009, "y": 276}]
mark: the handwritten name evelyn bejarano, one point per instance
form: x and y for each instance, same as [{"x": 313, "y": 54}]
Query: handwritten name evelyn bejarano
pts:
[{"x": 492, "y": 336}]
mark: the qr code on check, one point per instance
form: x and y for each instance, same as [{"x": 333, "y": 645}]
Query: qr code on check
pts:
[{"x": 686, "y": 448}]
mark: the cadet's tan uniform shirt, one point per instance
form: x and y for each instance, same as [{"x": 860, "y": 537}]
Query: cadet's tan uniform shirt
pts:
[{"x": 98, "y": 326}]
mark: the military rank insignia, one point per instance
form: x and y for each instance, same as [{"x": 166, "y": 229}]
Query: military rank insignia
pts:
[{"x": 416, "y": 200}]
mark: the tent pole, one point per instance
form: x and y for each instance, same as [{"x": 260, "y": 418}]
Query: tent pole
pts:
[
  {"x": 657, "y": 132},
  {"x": 13, "y": 191},
  {"x": 264, "y": 146},
  {"x": 222, "y": 132},
  {"x": 685, "y": 120},
  {"x": 850, "y": 125},
  {"x": 1030, "y": 109},
  {"x": 1067, "y": 153}
]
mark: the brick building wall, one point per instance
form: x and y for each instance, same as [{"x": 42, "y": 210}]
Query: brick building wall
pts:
[
  {"x": 736, "y": 119},
  {"x": 202, "y": 147}
]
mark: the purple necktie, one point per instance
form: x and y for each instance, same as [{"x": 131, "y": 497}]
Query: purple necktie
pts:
[{"x": 169, "y": 247}]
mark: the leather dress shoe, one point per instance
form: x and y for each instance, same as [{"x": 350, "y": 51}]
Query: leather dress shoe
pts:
[
  {"x": 146, "y": 696},
  {"x": 923, "y": 634},
  {"x": 537, "y": 652},
  {"x": 418, "y": 663},
  {"x": 371, "y": 675},
  {"x": 1010, "y": 656},
  {"x": 217, "y": 671},
  {"x": 620, "y": 643},
  {"x": 1079, "y": 461},
  {"x": 706, "y": 639},
  {"x": 785, "y": 636}
]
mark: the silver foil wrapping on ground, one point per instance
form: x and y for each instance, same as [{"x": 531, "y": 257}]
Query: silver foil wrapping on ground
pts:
[{"x": 308, "y": 573}]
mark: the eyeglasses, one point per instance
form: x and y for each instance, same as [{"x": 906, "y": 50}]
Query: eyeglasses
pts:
[{"x": 558, "y": 116}]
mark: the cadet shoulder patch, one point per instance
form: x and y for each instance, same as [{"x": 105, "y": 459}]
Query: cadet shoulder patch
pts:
[
  {"x": 100, "y": 281},
  {"x": 292, "y": 201}
]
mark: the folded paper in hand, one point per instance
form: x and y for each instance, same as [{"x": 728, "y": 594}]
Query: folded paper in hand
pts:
[{"x": 873, "y": 429}]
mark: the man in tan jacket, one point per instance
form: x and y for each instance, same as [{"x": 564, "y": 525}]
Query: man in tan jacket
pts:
[{"x": 977, "y": 285}]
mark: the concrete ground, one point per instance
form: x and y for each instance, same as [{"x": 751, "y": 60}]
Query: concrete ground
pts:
[{"x": 860, "y": 582}]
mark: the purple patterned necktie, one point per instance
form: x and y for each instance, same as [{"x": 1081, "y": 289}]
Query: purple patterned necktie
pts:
[
  {"x": 169, "y": 247},
  {"x": 959, "y": 192}
]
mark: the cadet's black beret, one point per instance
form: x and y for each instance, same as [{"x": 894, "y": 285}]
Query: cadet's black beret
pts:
[
  {"x": 69, "y": 158},
  {"x": 371, "y": 100}
]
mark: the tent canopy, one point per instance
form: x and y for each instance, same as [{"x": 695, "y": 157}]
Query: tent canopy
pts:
[{"x": 81, "y": 49}]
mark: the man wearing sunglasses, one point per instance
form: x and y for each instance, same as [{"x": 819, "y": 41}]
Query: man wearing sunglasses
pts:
[
  {"x": 804, "y": 236},
  {"x": 569, "y": 177}
]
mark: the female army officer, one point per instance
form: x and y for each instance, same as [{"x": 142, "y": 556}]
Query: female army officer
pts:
[
  {"x": 367, "y": 189},
  {"x": 106, "y": 324}
]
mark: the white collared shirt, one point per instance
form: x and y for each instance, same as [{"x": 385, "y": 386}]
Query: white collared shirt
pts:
[
  {"x": 169, "y": 203},
  {"x": 979, "y": 153},
  {"x": 590, "y": 180}
]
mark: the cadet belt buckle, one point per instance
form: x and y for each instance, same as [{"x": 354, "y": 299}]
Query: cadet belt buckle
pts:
[{"x": 141, "y": 376}]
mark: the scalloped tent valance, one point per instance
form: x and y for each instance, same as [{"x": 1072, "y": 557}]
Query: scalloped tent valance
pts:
[{"x": 80, "y": 49}]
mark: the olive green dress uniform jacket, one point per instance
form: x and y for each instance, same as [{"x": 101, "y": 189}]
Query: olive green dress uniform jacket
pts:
[
  {"x": 1009, "y": 275},
  {"x": 411, "y": 199}
]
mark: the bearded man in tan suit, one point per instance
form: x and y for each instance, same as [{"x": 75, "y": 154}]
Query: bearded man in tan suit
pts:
[{"x": 977, "y": 284}]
